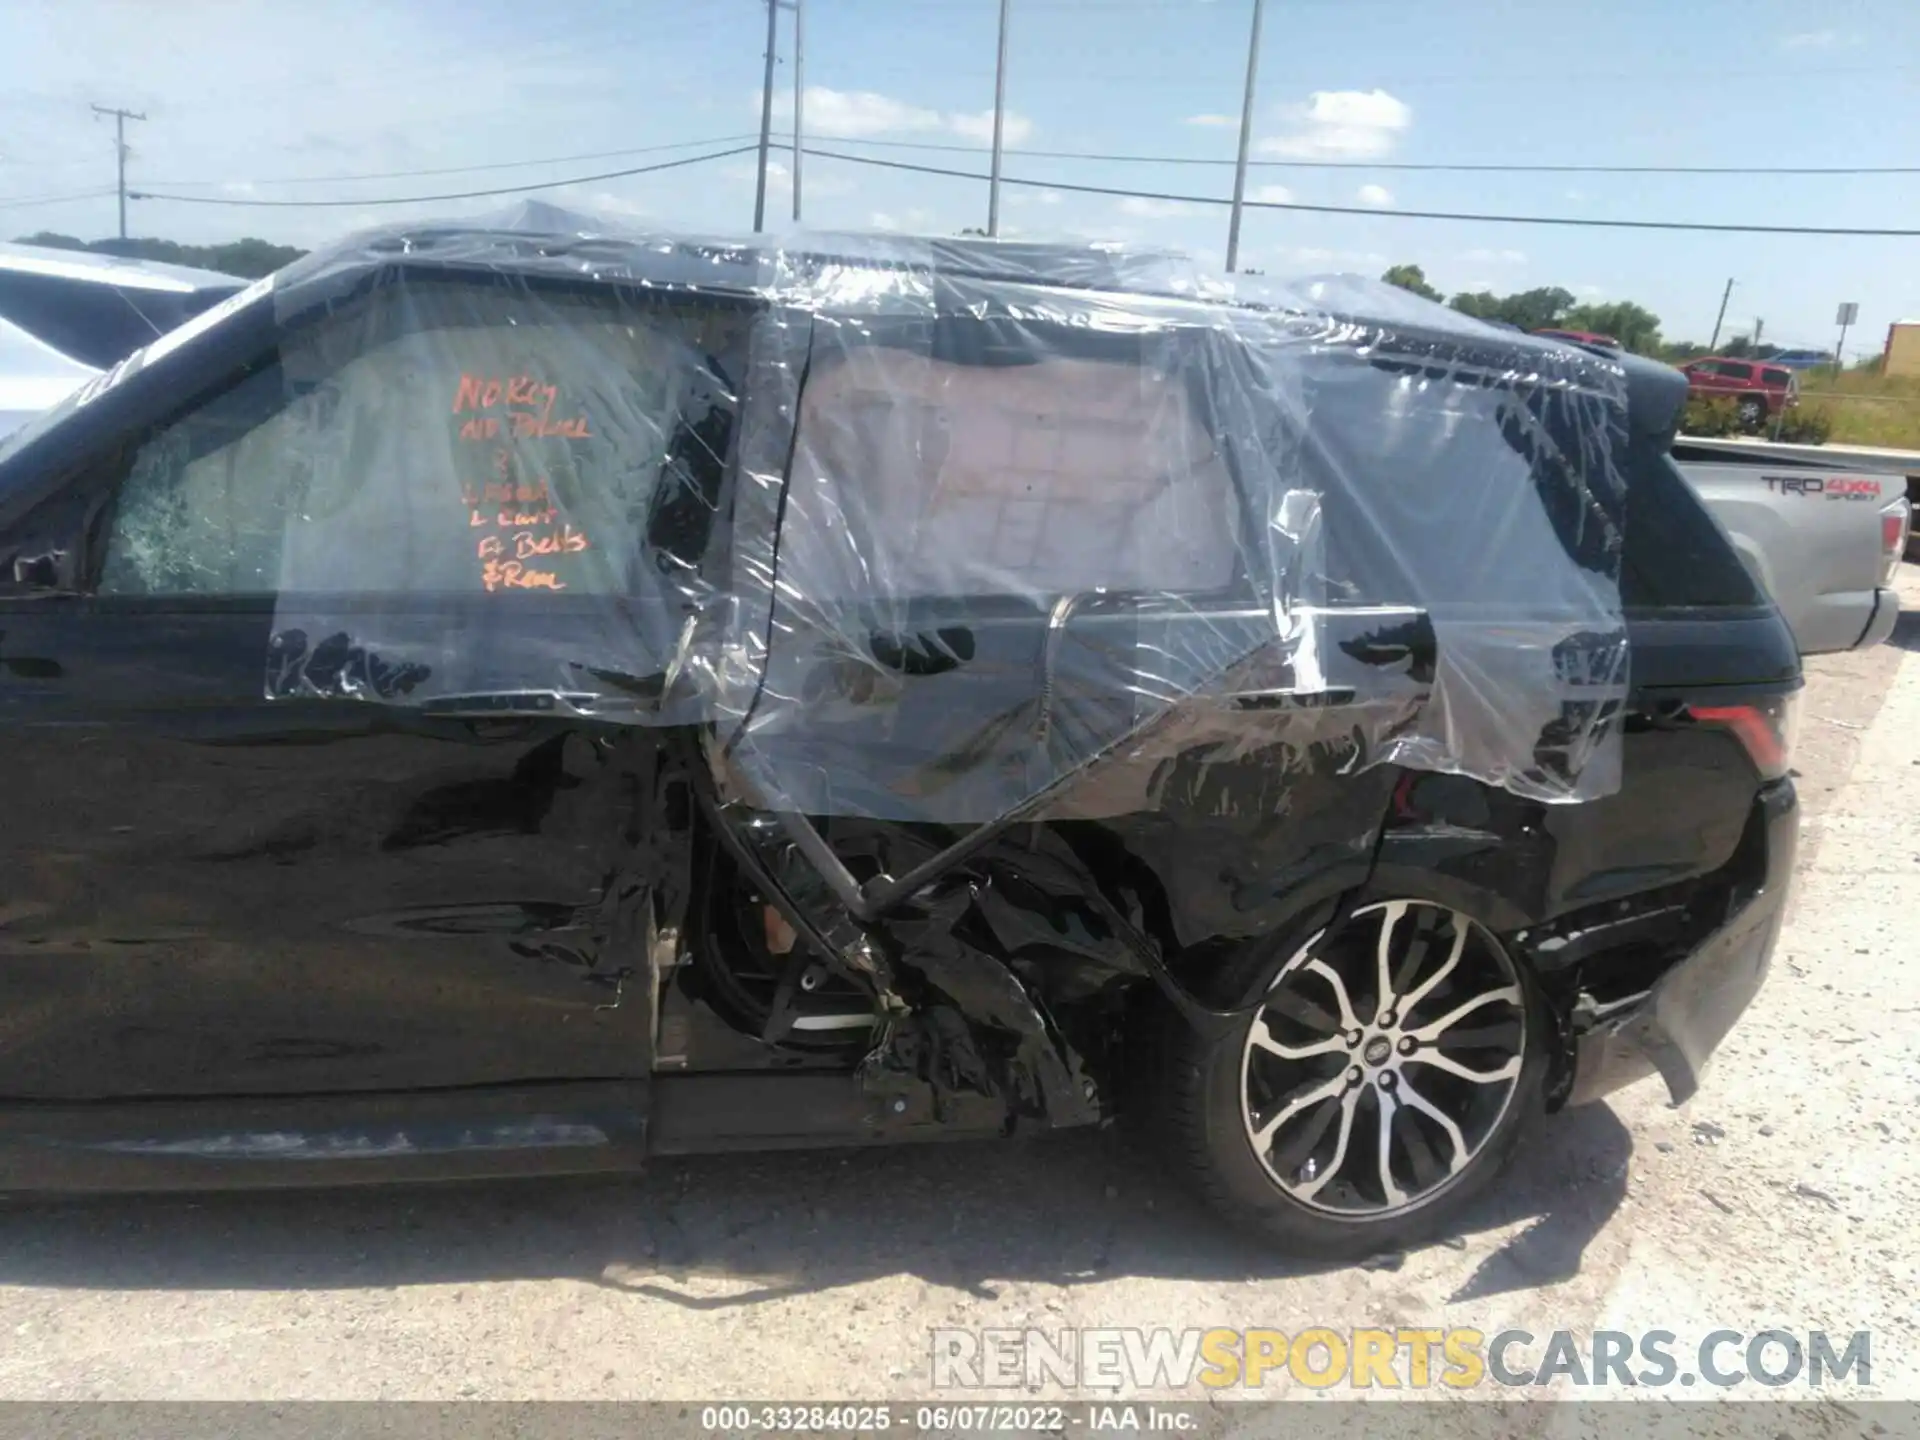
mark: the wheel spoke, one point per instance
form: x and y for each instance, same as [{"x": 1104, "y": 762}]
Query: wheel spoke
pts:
[
  {"x": 1349, "y": 1106},
  {"x": 1417, "y": 948},
  {"x": 1308, "y": 1095},
  {"x": 1388, "y": 1185},
  {"x": 1383, "y": 958},
  {"x": 1317, "y": 966},
  {"x": 1415, "y": 1100},
  {"x": 1427, "y": 1034},
  {"x": 1453, "y": 1067},
  {"x": 1263, "y": 1039},
  {"x": 1296, "y": 1006},
  {"x": 1503, "y": 1036},
  {"x": 1289, "y": 1156},
  {"x": 1453, "y": 958}
]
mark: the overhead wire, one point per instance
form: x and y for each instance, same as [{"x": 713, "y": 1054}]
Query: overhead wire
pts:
[
  {"x": 490, "y": 165},
  {"x": 1451, "y": 167},
  {"x": 242, "y": 200},
  {"x": 21, "y": 202},
  {"x": 1373, "y": 210}
]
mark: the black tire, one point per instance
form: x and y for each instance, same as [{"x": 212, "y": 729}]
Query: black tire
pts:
[
  {"x": 1752, "y": 411},
  {"x": 1200, "y": 1119}
]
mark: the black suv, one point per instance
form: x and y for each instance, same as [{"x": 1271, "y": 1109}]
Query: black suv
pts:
[{"x": 492, "y": 702}]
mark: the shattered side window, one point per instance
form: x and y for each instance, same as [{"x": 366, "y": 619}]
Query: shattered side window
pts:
[
  {"x": 497, "y": 496},
  {"x": 443, "y": 439},
  {"x": 202, "y": 510}
]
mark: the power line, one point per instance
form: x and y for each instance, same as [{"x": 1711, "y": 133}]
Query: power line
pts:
[
  {"x": 473, "y": 169},
  {"x": 1408, "y": 165},
  {"x": 461, "y": 195},
  {"x": 1567, "y": 220},
  {"x": 16, "y": 204}
]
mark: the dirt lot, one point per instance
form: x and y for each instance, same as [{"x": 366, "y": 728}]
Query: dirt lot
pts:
[{"x": 1782, "y": 1195}]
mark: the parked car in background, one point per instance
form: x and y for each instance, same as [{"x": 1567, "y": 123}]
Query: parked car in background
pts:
[
  {"x": 33, "y": 376},
  {"x": 1800, "y": 359},
  {"x": 705, "y": 715},
  {"x": 1581, "y": 337},
  {"x": 1758, "y": 388},
  {"x": 66, "y": 314}
]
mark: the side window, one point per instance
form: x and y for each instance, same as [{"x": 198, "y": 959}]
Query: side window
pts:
[
  {"x": 436, "y": 437},
  {"x": 1734, "y": 370},
  {"x": 955, "y": 468},
  {"x": 203, "y": 507}
]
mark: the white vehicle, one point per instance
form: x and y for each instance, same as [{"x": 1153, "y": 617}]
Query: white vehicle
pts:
[
  {"x": 66, "y": 315},
  {"x": 1823, "y": 533}
]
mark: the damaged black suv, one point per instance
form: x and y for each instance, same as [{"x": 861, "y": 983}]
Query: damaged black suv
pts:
[{"x": 511, "y": 697}]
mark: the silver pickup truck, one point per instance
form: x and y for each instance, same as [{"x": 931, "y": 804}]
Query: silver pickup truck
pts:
[{"x": 1823, "y": 531}]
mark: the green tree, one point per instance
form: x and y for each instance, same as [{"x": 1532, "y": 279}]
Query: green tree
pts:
[
  {"x": 1634, "y": 326},
  {"x": 249, "y": 258},
  {"x": 1413, "y": 278},
  {"x": 1529, "y": 309}
]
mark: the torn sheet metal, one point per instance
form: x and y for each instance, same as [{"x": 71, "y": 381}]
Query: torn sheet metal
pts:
[{"x": 921, "y": 529}]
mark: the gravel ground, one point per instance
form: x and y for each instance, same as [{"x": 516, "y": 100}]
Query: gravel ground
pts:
[{"x": 1781, "y": 1195}]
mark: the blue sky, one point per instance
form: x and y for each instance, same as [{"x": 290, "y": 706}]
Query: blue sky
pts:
[{"x": 269, "y": 99}]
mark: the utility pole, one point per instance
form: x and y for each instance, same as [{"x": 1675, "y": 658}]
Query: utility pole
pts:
[
  {"x": 766, "y": 120},
  {"x": 999, "y": 125},
  {"x": 1246, "y": 136},
  {"x": 799, "y": 101},
  {"x": 1718, "y": 320},
  {"x": 120, "y": 118}
]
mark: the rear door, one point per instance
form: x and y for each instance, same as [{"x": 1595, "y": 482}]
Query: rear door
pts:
[{"x": 207, "y": 891}]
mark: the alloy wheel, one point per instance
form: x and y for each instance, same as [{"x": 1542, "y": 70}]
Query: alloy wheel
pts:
[{"x": 1383, "y": 1059}]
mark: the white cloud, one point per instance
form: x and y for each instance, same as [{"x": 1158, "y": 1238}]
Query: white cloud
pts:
[
  {"x": 1219, "y": 122},
  {"x": 1820, "y": 40},
  {"x": 854, "y": 114},
  {"x": 1035, "y": 197},
  {"x": 1374, "y": 195},
  {"x": 1015, "y": 128},
  {"x": 1342, "y": 125},
  {"x": 881, "y": 220},
  {"x": 862, "y": 114},
  {"x": 1142, "y": 207},
  {"x": 1271, "y": 195},
  {"x": 1495, "y": 257}
]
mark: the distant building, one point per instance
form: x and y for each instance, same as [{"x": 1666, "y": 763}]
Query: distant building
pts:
[{"x": 1903, "y": 348}]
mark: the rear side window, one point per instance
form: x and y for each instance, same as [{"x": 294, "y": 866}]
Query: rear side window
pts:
[
  {"x": 957, "y": 473},
  {"x": 1776, "y": 377},
  {"x": 1676, "y": 556}
]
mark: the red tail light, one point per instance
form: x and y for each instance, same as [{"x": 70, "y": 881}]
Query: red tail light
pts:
[
  {"x": 1894, "y": 521},
  {"x": 1765, "y": 728}
]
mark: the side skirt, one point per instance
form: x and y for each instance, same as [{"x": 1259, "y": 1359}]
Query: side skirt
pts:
[{"x": 480, "y": 1134}]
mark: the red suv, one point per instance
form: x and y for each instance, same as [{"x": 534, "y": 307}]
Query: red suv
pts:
[{"x": 1757, "y": 388}]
